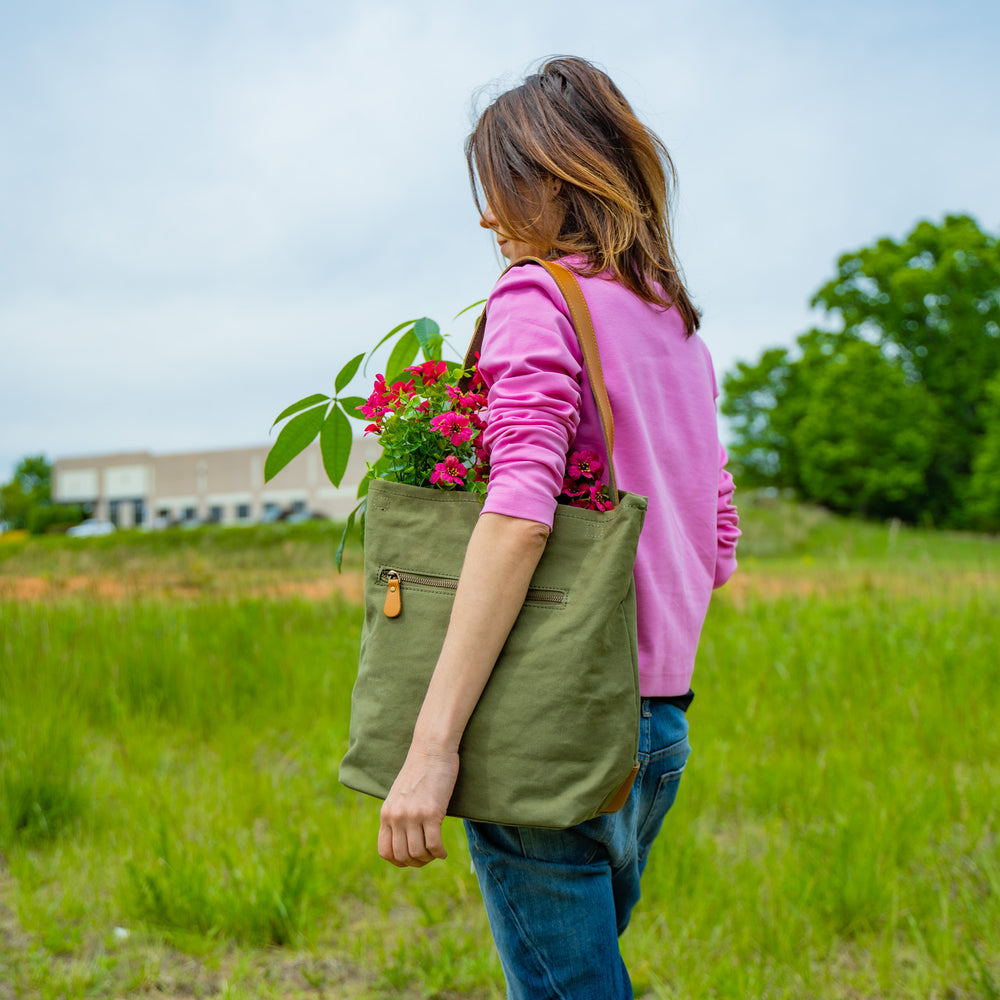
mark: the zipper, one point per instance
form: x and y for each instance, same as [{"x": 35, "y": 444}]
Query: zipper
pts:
[{"x": 394, "y": 580}]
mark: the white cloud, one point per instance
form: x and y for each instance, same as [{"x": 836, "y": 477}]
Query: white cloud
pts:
[{"x": 208, "y": 208}]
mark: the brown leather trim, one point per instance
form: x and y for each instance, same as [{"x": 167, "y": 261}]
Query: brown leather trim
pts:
[{"x": 621, "y": 796}]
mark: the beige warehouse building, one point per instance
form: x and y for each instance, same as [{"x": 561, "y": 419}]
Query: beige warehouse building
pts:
[{"x": 140, "y": 489}]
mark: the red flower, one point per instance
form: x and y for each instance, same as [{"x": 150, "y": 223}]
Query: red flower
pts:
[
  {"x": 466, "y": 400},
  {"x": 400, "y": 389},
  {"x": 429, "y": 371},
  {"x": 593, "y": 498},
  {"x": 456, "y": 427},
  {"x": 584, "y": 465},
  {"x": 599, "y": 500},
  {"x": 573, "y": 488},
  {"x": 450, "y": 470},
  {"x": 381, "y": 403},
  {"x": 476, "y": 383}
]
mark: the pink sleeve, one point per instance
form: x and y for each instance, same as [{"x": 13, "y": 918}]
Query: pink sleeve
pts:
[
  {"x": 531, "y": 364},
  {"x": 727, "y": 525}
]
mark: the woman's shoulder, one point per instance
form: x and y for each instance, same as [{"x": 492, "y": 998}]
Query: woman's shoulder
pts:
[{"x": 528, "y": 291}]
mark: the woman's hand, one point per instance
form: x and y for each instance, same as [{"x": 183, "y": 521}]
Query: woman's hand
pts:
[{"x": 410, "y": 832}]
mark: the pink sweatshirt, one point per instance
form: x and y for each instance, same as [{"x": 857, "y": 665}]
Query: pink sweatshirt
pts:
[{"x": 662, "y": 391}]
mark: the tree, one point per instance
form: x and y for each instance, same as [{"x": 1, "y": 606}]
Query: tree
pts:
[
  {"x": 983, "y": 500},
  {"x": 31, "y": 487},
  {"x": 930, "y": 306},
  {"x": 867, "y": 436},
  {"x": 766, "y": 401},
  {"x": 932, "y": 302}
]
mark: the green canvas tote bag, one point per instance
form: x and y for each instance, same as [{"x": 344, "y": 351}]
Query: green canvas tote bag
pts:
[{"x": 554, "y": 738}]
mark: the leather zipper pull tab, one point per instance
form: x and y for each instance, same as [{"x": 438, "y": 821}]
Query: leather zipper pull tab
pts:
[{"x": 393, "y": 595}]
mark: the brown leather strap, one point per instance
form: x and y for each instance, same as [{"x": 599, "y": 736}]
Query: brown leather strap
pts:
[{"x": 579, "y": 313}]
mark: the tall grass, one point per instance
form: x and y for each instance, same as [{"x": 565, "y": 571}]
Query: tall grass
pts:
[
  {"x": 836, "y": 831},
  {"x": 170, "y": 814}
]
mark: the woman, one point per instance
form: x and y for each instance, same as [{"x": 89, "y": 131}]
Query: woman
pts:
[{"x": 569, "y": 173}]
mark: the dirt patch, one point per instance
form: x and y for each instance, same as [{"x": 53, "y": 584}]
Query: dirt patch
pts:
[
  {"x": 349, "y": 586},
  {"x": 743, "y": 588},
  {"x": 746, "y": 587}
]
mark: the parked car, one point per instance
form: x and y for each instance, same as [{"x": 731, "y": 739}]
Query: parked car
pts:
[{"x": 91, "y": 529}]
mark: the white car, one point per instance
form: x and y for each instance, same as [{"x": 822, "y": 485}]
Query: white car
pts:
[{"x": 91, "y": 528}]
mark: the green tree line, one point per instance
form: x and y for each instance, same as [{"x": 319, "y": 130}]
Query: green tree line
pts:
[{"x": 891, "y": 408}]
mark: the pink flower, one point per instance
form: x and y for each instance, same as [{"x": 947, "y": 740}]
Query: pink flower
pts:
[
  {"x": 381, "y": 404},
  {"x": 466, "y": 400},
  {"x": 593, "y": 498},
  {"x": 584, "y": 465},
  {"x": 450, "y": 470},
  {"x": 429, "y": 371},
  {"x": 456, "y": 427},
  {"x": 599, "y": 500},
  {"x": 400, "y": 389},
  {"x": 476, "y": 382}
]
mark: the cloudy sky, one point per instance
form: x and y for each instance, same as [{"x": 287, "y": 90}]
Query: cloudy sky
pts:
[{"x": 207, "y": 207}]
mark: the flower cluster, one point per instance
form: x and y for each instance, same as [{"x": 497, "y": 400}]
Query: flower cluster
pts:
[
  {"x": 430, "y": 427},
  {"x": 582, "y": 485}
]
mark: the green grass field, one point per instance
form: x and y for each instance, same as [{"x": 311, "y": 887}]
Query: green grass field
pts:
[{"x": 171, "y": 823}]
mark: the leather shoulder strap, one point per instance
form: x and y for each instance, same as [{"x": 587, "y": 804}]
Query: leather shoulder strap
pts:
[{"x": 580, "y": 317}]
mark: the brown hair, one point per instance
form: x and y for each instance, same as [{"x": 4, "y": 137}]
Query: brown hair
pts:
[{"x": 570, "y": 123}]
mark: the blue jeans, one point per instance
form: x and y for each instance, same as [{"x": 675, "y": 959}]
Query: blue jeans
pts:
[{"x": 557, "y": 900}]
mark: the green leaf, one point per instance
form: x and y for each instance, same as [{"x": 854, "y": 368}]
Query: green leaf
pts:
[
  {"x": 403, "y": 355},
  {"x": 350, "y": 404},
  {"x": 335, "y": 444},
  {"x": 361, "y": 507},
  {"x": 481, "y": 302},
  {"x": 429, "y": 335},
  {"x": 294, "y": 438},
  {"x": 346, "y": 373},
  {"x": 364, "y": 484},
  {"x": 300, "y": 405},
  {"x": 391, "y": 333}
]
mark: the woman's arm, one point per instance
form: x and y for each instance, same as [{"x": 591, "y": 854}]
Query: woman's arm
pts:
[{"x": 499, "y": 562}]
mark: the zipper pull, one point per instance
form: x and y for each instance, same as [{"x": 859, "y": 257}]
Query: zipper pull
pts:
[{"x": 393, "y": 595}]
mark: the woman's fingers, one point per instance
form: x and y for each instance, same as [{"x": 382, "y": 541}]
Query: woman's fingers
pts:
[
  {"x": 385, "y": 843},
  {"x": 416, "y": 847},
  {"x": 434, "y": 842},
  {"x": 411, "y": 816},
  {"x": 410, "y": 845}
]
